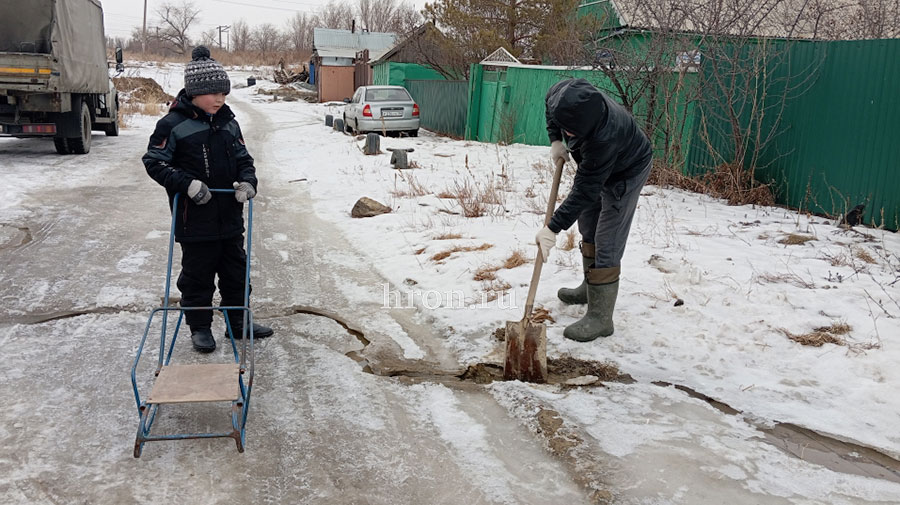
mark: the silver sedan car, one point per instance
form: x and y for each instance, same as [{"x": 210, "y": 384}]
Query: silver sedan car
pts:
[{"x": 382, "y": 109}]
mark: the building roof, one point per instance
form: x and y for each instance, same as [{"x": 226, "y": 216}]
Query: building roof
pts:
[
  {"x": 342, "y": 41},
  {"x": 760, "y": 18}
]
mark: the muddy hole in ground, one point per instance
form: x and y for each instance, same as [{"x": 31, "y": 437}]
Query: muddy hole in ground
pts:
[
  {"x": 14, "y": 236},
  {"x": 565, "y": 370}
]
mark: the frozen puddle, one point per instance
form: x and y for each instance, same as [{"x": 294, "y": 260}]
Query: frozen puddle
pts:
[{"x": 657, "y": 445}]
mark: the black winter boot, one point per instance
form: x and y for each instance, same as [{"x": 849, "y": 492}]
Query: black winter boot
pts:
[
  {"x": 259, "y": 331},
  {"x": 203, "y": 340},
  {"x": 602, "y": 290},
  {"x": 578, "y": 296}
]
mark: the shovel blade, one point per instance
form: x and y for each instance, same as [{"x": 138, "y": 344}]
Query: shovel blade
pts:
[{"x": 526, "y": 351}]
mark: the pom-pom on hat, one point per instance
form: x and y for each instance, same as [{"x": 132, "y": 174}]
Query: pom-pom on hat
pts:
[{"x": 204, "y": 75}]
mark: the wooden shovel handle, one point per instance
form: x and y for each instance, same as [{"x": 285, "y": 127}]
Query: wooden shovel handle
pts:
[{"x": 539, "y": 261}]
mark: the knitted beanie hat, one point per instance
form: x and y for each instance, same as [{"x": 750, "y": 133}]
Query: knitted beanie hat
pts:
[{"x": 204, "y": 75}]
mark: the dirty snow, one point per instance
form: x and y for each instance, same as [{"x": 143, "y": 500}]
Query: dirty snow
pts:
[{"x": 741, "y": 286}]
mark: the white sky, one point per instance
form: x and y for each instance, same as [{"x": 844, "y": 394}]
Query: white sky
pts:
[{"x": 120, "y": 16}]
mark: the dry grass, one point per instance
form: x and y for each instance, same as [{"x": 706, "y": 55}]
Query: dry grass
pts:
[
  {"x": 420, "y": 251},
  {"x": 789, "y": 278},
  {"x": 516, "y": 259},
  {"x": 822, "y": 335},
  {"x": 448, "y": 236},
  {"x": 494, "y": 289},
  {"x": 838, "y": 260},
  {"x": 569, "y": 242},
  {"x": 446, "y": 194},
  {"x": 467, "y": 197},
  {"x": 540, "y": 315},
  {"x": 796, "y": 239},
  {"x": 486, "y": 273},
  {"x": 728, "y": 181},
  {"x": 840, "y": 328},
  {"x": 446, "y": 254},
  {"x": 865, "y": 256},
  {"x": 814, "y": 338}
]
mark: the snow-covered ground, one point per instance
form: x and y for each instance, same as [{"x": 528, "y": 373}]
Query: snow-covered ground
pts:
[{"x": 747, "y": 276}]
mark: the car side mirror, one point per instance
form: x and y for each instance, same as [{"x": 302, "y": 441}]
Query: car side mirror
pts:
[
  {"x": 119, "y": 58},
  {"x": 346, "y": 100}
]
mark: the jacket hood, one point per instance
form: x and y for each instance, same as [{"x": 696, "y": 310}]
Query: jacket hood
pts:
[{"x": 576, "y": 106}]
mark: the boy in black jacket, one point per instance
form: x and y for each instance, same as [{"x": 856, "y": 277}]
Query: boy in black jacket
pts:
[
  {"x": 614, "y": 159},
  {"x": 198, "y": 145}
]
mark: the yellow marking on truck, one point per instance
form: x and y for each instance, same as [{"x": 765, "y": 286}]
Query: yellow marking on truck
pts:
[{"x": 15, "y": 70}]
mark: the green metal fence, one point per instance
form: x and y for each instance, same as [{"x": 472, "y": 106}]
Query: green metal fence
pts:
[
  {"x": 836, "y": 141},
  {"x": 394, "y": 73},
  {"x": 442, "y": 105}
]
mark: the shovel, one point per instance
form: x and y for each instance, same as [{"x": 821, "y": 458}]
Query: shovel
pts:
[{"x": 526, "y": 340}]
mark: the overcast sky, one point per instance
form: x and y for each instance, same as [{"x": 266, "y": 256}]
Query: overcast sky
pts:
[{"x": 120, "y": 16}]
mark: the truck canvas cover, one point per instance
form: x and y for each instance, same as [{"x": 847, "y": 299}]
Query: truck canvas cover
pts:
[{"x": 71, "y": 31}]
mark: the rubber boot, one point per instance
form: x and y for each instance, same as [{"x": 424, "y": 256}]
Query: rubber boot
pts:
[
  {"x": 259, "y": 331},
  {"x": 203, "y": 340},
  {"x": 578, "y": 296},
  {"x": 602, "y": 290}
]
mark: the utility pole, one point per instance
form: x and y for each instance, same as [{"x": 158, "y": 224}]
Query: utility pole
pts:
[
  {"x": 144, "y": 33},
  {"x": 222, "y": 28}
]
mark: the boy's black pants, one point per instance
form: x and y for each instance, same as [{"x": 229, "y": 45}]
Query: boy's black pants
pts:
[{"x": 200, "y": 263}]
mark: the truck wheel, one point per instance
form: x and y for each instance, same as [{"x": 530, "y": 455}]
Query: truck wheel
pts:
[
  {"x": 82, "y": 143},
  {"x": 61, "y": 144},
  {"x": 112, "y": 129}
]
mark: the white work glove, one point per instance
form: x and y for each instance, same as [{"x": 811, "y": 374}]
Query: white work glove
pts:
[
  {"x": 546, "y": 239},
  {"x": 558, "y": 150},
  {"x": 198, "y": 192},
  {"x": 243, "y": 191}
]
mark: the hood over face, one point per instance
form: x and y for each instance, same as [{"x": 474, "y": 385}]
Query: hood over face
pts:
[{"x": 576, "y": 106}]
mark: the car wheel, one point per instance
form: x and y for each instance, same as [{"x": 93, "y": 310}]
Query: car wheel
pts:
[
  {"x": 414, "y": 133},
  {"x": 347, "y": 127}
]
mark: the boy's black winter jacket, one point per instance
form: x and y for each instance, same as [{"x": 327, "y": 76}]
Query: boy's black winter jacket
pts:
[
  {"x": 189, "y": 144},
  {"x": 608, "y": 145}
]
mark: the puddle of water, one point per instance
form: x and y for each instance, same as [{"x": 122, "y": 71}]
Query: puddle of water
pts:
[
  {"x": 808, "y": 445},
  {"x": 14, "y": 236}
]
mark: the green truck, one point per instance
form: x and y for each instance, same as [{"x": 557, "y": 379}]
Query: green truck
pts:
[{"x": 54, "y": 75}]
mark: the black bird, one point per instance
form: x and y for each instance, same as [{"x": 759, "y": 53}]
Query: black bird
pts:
[{"x": 854, "y": 217}]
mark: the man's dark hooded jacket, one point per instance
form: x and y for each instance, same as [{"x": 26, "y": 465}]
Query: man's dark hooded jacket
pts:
[
  {"x": 190, "y": 144},
  {"x": 608, "y": 145}
]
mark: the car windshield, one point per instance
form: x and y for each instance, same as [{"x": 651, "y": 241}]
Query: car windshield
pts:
[{"x": 387, "y": 95}]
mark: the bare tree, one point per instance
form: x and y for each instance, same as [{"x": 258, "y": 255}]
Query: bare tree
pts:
[
  {"x": 406, "y": 18},
  {"x": 241, "y": 36},
  {"x": 210, "y": 38},
  {"x": 300, "y": 31},
  {"x": 266, "y": 39},
  {"x": 336, "y": 15},
  {"x": 175, "y": 21}
]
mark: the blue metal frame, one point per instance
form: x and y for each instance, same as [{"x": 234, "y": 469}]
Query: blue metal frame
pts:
[{"x": 147, "y": 411}]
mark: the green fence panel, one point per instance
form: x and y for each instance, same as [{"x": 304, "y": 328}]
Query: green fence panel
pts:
[
  {"x": 834, "y": 145},
  {"x": 442, "y": 105},
  {"x": 395, "y": 73}
]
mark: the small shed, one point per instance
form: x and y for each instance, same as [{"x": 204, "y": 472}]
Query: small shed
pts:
[{"x": 334, "y": 55}]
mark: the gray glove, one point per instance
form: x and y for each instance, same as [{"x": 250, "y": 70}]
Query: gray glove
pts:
[
  {"x": 243, "y": 191},
  {"x": 198, "y": 192},
  {"x": 558, "y": 150}
]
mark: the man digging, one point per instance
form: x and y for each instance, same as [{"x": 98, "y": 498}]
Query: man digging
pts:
[{"x": 614, "y": 160}]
